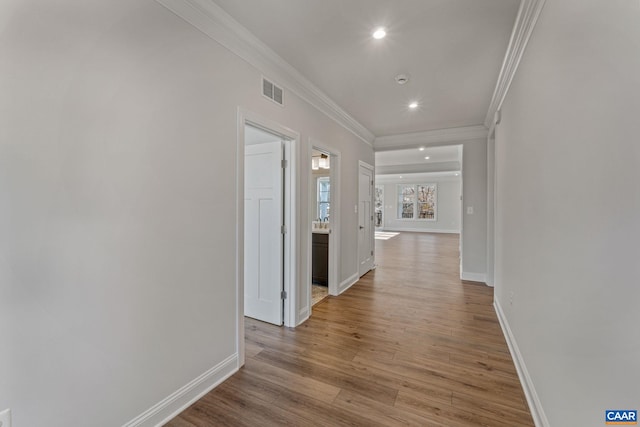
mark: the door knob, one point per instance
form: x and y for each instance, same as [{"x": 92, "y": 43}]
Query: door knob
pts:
[{"x": 361, "y": 227}]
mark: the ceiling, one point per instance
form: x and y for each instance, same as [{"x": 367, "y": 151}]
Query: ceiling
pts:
[
  {"x": 445, "y": 160},
  {"x": 452, "y": 51},
  {"x": 449, "y": 153}
]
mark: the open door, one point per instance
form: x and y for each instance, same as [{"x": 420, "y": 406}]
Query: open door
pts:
[
  {"x": 263, "y": 221},
  {"x": 365, "y": 219}
]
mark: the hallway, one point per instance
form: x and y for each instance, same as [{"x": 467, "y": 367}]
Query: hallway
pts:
[{"x": 409, "y": 344}]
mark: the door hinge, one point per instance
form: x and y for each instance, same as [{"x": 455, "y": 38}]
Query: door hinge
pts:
[
  {"x": 371, "y": 253},
  {"x": 283, "y": 229},
  {"x": 284, "y": 163},
  {"x": 283, "y": 295}
]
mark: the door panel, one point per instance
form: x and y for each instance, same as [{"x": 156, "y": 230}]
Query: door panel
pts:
[
  {"x": 365, "y": 220},
  {"x": 263, "y": 247}
]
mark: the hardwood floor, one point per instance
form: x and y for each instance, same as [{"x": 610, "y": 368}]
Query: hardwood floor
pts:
[{"x": 409, "y": 344}]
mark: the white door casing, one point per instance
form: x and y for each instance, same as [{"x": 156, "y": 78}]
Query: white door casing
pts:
[
  {"x": 365, "y": 219},
  {"x": 263, "y": 220}
]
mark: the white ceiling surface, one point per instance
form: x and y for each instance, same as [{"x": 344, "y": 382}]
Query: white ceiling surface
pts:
[
  {"x": 452, "y": 49},
  {"x": 414, "y": 156}
]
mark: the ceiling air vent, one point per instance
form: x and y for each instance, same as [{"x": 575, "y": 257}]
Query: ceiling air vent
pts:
[{"x": 273, "y": 92}]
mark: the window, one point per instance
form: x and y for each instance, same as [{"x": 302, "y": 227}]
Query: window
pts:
[
  {"x": 417, "y": 201},
  {"x": 324, "y": 197},
  {"x": 379, "y": 206}
]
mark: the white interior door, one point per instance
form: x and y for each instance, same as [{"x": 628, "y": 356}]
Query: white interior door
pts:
[
  {"x": 263, "y": 219},
  {"x": 365, "y": 220}
]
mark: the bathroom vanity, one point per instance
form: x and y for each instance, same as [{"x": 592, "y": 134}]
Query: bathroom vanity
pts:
[{"x": 320, "y": 257}]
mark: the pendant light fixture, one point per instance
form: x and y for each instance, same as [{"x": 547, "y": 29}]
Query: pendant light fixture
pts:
[{"x": 324, "y": 161}]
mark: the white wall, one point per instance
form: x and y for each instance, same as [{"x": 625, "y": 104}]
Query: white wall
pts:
[
  {"x": 448, "y": 206},
  {"x": 117, "y": 205},
  {"x": 567, "y": 228},
  {"x": 474, "y": 194}
]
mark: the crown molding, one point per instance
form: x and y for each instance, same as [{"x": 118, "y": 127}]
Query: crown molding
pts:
[
  {"x": 522, "y": 29},
  {"x": 450, "y": 136},
  {"x": 217, "y": 24}
]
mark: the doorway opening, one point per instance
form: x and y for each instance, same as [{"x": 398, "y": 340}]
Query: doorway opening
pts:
[
  {"x": 324, "y": 221},
  {"x": 280, "y": 225},
  {"x": 320, "y": 208}
]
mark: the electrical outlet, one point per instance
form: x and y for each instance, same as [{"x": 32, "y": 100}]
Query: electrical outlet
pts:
[
  {"x": 511, "y": 298},
  {"x": 469, "y": 210},
  {"x": 5, "y": 418}
]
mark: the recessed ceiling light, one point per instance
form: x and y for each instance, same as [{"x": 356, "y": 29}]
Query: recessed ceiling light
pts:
[
  {"x": 413, "y": 105},
  {"x": 427, "y": 158},
  {"x": 379, "y": 33},
  {"x": 421, "y": 148},
  {"x": 457, "y": 174},
  {"x": 400, "y": 176}
]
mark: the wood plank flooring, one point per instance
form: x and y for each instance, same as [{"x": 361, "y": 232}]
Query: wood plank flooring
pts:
[{"x": 409, "y": 344}]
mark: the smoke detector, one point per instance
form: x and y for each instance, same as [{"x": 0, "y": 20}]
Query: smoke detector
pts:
[{"x": 402, "y": 79}]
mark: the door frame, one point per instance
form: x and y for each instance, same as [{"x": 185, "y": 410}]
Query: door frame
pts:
[
  {"x": 334, "y": 236},
  {"x": 290, "y": 178},
  {"x": 366, "y": 165}
]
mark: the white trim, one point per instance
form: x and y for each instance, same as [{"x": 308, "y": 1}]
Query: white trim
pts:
[
  {"x": 217, "y": 24},
  {"x": 350, "y": 281},
  {"x": 163, "y": 411},
  {"x": 366, "y": 165},
  {"x": 420, "y": 230},
  {"x": 535, "y": 406},
  {"x": 438, "y": 137},
  {"x": 240, "y": 237},
  {"x": 473, "y": 277},
  {"x": 291, "y": 261},
  {"x": 522, "y": 29},
  {"x": 303, "y": 314}
]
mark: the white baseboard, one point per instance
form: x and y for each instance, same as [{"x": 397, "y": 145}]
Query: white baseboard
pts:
[
  {"x": 539, "y": 417},
  {"x": 421, "y": 230},
  {"x": 346, "y": 284},
  {"x": 303, "y": 316},
  {"x": 473, "y": 277},
  {"x": 163, "y": 411}
]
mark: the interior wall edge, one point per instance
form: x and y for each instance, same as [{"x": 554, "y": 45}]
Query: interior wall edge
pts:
[{"x": 535, "y": 406}]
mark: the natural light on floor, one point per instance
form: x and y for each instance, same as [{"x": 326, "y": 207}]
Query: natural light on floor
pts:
[{"x": 385, "y": 235}]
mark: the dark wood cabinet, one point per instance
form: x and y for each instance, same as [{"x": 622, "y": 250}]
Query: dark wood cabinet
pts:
[{"x": 320, "y": 259}]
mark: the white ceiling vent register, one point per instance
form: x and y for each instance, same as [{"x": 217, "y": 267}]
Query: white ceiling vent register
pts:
[{"x": 273, "y": 92}]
